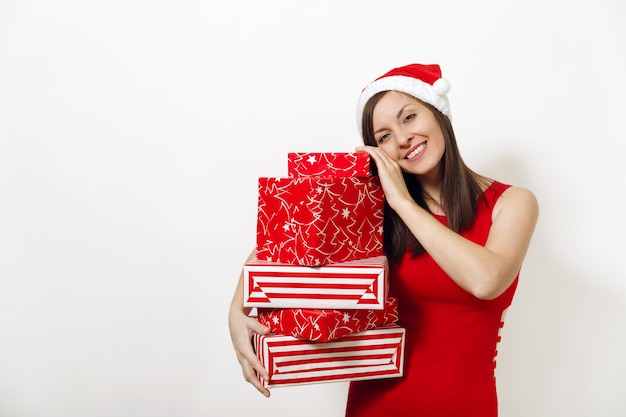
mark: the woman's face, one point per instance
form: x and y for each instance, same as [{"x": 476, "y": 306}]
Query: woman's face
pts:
[{"x": 408, "y": 132}]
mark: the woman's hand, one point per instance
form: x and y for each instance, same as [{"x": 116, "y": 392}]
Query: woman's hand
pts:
[
  {"x": 241, "y": 328},
  {"x": 390, "y": 175}
]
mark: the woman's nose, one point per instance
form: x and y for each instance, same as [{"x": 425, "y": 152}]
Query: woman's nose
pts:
[{"x": 405, "y": 139}]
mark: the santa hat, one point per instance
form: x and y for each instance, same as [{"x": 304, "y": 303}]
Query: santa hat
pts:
[{"x": 421, "y": 81}]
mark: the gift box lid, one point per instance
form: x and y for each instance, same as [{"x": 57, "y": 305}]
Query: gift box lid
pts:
[
  {"x": 359, "y": 284},
  {"x": 329, "y": 164}
]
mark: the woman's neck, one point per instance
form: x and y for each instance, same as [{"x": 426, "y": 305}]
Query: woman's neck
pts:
[{"x": 431, "y": 191}]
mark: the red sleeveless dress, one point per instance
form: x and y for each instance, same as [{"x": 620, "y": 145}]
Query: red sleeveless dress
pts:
[{"x": 451, "y": 340}]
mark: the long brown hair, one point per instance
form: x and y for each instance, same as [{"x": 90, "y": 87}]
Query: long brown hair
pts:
[{"x": 460, "y": 187}]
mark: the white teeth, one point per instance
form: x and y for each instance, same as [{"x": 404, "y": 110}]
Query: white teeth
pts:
[{"x": 416, "y": 151}]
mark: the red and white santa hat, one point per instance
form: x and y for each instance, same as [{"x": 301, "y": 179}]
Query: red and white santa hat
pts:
[{"x": 421, "y": 81}]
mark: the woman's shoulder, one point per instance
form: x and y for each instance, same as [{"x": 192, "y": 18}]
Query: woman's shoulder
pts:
[
  {"x": 516, "y": 200},
  {"x": 504, "y": 190},
  {"x": 514, "y": 192}
]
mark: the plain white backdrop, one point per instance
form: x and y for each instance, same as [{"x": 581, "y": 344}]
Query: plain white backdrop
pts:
[{"x": 132, "y": 134}]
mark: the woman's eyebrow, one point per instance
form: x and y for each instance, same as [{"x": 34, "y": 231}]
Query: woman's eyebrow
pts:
[
  {"x": 402, "y": 110},
  {"x": 397, "y": 116}
]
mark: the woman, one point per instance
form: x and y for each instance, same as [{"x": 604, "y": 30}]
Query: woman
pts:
[{"x": 456, "y": 241}]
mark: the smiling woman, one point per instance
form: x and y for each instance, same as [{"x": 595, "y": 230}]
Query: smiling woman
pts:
[{"x": 455, "y": 240}]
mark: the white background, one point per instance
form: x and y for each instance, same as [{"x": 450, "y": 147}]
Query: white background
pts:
[{"x": 132, "y": 134}]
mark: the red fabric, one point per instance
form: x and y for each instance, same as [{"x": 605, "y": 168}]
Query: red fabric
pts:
[
  {"x": 450, "y": 344},
  {"x": 427, "y": 73}
]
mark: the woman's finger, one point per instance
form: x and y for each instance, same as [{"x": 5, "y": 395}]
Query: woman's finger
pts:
[
  {"x": 381, "y": 159},
  {"x": 251, "y": 375},
  {"x": 242, "y": 328},
  {"x": 390, "y": 174}
]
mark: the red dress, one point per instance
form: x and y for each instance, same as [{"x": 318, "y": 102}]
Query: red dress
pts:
[{"x": 450, "y": 343}]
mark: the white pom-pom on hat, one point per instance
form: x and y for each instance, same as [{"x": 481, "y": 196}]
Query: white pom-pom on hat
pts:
[
  {"x": 418, "y": 80},
  {"x": 441, "y": 86}
]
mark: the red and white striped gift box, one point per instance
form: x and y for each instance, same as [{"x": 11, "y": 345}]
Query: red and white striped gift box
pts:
[
  {"x": 372, "y": 354},
  {"x": 328, "y": 164},
  {"x": 360, "y": 284}
]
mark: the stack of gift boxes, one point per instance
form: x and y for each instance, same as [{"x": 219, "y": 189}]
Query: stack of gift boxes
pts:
[{"x": 319, "y": 279}]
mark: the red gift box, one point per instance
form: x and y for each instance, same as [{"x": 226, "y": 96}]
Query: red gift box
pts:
[
  {"x": 328, "y": 164},
  {"x": 319, "y": 220},
  {"x": 360, "y": 284},
  {"x": 325, "y": 325},
  {"x": 372, "y": 354}
]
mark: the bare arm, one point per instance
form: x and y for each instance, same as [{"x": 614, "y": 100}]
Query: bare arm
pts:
[
  {"x": 484, "y": 271},
  {"x": 241, "y": 328}
]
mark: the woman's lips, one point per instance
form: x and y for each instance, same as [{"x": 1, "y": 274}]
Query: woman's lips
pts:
[{"x": 416, "y": 151}]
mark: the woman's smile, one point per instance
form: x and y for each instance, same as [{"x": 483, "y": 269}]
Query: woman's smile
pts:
[{"x": 416, "y": 151}]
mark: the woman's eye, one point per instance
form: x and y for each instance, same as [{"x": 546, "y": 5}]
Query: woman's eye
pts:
[
  {"x": 409, "y": 117},
  {"x": 383, "y": 137}
]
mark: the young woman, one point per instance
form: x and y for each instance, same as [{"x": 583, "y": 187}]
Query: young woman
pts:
[{"x": 456, "y": 241}]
